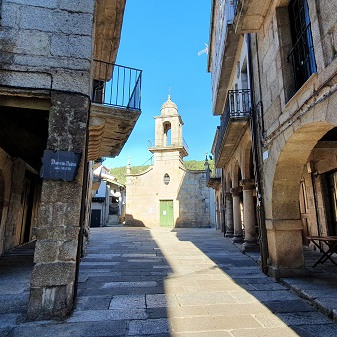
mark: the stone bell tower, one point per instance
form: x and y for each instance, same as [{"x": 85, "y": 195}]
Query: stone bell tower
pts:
[{"x": 169, "y": 144}]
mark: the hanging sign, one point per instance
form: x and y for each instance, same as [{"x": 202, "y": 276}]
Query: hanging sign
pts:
[{"x": 60, "y": 165}]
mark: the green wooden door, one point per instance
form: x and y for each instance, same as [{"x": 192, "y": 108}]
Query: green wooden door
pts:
[{"x": 166, "y": 213}]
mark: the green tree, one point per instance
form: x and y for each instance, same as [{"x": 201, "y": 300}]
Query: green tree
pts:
[{"x": 120, "y": 172}]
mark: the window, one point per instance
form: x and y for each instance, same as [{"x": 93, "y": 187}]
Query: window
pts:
[
  {"x": 166, "y": 179},
  {"x": 301, "y": 56}
]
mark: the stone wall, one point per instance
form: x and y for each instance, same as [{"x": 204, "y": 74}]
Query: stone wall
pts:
[
  {"x": 53, "y": 277},
  {"x": 5, "y": 187},
  {"x": 14, "y": 215},
  {"x": 326, "y": 18},
  {"x": 194, "y": 200},
  {"x": 187, "y": 189},
  {"x": 46, "y": 44},
  {"x": 294, "y": 122}
]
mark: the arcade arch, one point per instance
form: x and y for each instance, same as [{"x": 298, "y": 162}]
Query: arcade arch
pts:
[{"x": 287, "y": 162}]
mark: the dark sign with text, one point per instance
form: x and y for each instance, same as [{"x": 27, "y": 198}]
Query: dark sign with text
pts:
[{"x": 60, "y": 165}]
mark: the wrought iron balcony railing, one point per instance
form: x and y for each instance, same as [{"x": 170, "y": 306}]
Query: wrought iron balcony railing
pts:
[
  {"x": 235, "y": 5},
  {"x": 238, "y": 107},
  {"x": 169, "y": 143},
  {"x": 302, "y": 58},
  {"x": 116, "y": 85}
]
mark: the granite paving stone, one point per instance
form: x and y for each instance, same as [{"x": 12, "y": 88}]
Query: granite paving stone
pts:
[
  {"x": 92, "y": 329},
  {"x": 128, "y": 302},
  {"x": 179, "y": 282},
  {"x": 148, "y": 327}
]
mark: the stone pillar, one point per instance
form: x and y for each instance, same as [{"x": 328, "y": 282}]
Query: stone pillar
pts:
[
  {"x": 229, "y": 215},
  {"x": 249, "y": 216},
  {"x": 53, "y": 277},
  {"x": 222, "y": 223},
  {"x": 285, "y": 248},
  {"x": 236, "y": 214}
]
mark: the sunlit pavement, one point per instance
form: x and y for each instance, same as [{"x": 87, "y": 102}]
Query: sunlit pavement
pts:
[{"x": 186, "y": 282}]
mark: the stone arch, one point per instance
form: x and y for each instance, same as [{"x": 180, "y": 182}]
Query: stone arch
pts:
[
  {"x": 228, "y": 203},
  {"x": 228, "y": 180},
  {"x": 217, "y": 212},
  {"x": 246, "y": 160},
  {"x": 236, "y": 174},
  {"x": 287, "y": 157},
  {"x": 289, "y": 167}
]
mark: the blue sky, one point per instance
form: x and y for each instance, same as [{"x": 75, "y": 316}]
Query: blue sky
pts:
[{"x": 163, "y": 38}]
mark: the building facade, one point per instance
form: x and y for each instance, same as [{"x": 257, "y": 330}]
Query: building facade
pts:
[
  {"x": 108, "y": 199},
  {"x": 167, "y": 194},
  {"x": 57, "y": 69},
  {"x": 282, "y": 148}
]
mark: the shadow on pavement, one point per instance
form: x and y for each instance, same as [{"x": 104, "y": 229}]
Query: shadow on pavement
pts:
[{"x": 295, "y": 312}]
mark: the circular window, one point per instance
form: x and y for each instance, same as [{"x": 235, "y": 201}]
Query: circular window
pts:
[{"x": 166, "y": 179}]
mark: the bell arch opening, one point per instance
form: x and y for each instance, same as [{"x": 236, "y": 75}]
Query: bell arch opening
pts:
[{"x": 167, "y": 134}]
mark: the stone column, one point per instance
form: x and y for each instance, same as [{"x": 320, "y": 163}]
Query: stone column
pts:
[
  {"x": 229, "y": 215},
  {"x": 236, "y": 214},
  {"x": 222, "y": 223},
  {"x": 285, "y": 248},
  {"x": 249, "y": 216},
  {"x": 53, "y": 277}
]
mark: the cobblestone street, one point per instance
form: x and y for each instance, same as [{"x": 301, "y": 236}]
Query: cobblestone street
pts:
[{"x": 184, "y": 282}]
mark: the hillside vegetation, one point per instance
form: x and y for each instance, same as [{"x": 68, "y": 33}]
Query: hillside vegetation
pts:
[{"x": 119, "y": 172}]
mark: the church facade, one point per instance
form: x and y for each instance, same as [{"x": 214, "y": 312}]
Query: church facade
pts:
[{"x": 167, "y": 194}]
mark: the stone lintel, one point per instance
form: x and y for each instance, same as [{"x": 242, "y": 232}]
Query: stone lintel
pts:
[
  {"x": 37, "y": 103},
  {"x": 284, "y": 224}
]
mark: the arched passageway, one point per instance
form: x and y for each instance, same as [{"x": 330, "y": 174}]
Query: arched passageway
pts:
[{"x": 283, "y": 176}]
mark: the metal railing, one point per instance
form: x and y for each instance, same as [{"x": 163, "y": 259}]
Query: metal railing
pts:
[
  {"x": 230, "y": 9},
  {"x": 116, "y": 85},
  {"x": 235, "y": 5},
  {"x": 238, "y": 106},
  {"x": 170, "y": 143},
  {"x": 302, "y": 58}
]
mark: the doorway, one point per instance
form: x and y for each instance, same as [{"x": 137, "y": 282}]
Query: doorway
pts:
[
  {"x": 27, "y": 206},
  {"x": 95, "y": 218},
  {"x": 332, "y": 194},
  {"x": 166, "y": 213}
]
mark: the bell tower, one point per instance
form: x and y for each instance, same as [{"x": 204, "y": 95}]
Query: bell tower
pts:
[{"x": 169, "y": 143}]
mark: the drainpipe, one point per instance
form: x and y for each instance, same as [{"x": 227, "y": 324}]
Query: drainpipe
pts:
[{"x": 257, "y": 133}]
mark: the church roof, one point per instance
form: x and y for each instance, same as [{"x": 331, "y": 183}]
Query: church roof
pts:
[{"x": 169, "y": 108}]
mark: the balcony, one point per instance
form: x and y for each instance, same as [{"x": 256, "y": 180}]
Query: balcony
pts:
[
  {"x": 161, "y": 145},
  {"x": 234, "y": 121},
  {"x": 115, "y": 108},
  {"x": 225, "y": 43},
  {"x": 249, "y": 15},
  {"x": 212, "y": 180}
]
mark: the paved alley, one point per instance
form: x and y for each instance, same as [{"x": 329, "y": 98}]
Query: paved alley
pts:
[{"x": 184, "y": 282}]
